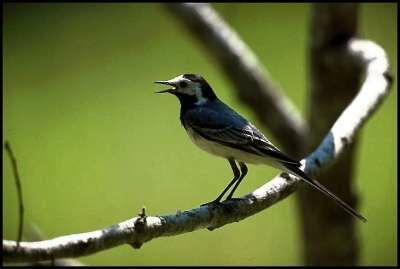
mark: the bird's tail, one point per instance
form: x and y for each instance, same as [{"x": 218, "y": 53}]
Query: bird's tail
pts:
[{"x": 297, "y": 171}]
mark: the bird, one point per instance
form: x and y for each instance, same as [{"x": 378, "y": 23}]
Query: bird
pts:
[{"x": 219, "y": 130}]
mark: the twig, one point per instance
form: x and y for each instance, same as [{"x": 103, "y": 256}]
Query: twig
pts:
[
  {"x": 36, "y": 233},
  {"x": 142, "y": 229},
  {"x": 19, "y": 191},
  {"x": 249, "y": 77}
]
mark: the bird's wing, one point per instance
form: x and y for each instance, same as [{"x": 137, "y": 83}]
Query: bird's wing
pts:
[{"x": 230, "y": 129}]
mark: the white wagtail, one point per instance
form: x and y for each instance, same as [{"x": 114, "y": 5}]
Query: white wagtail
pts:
[{"x": 219, "y": 130}]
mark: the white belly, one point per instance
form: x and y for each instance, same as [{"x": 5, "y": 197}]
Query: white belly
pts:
[{"x": 228, "y": 152}]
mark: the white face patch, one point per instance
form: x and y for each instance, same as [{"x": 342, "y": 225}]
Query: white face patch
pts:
[{"x": 186, "y": 86}]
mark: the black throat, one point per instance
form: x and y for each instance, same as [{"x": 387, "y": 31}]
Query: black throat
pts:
[{"x": 189, "y": 101}]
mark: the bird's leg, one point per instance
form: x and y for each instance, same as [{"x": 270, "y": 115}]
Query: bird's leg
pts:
[
  {"x": 236, "y": 176},
  {"x": 244, "y": 170}
]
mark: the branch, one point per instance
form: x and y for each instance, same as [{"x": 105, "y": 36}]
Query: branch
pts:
[
  {"x": 251, "y": 80},
  {"x": 19, "y": 191},
  {"x": 35, "y": 234},
  {"x": 141, "y": 229},
  {"x": 373, "y": 90}
]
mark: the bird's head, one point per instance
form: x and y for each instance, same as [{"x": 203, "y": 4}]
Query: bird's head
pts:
[{"x": 189, "y": 88}]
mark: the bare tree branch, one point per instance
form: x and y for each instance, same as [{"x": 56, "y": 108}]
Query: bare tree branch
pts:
[
  {"x": 141, "y": 229},
  {"x": 251, "y": 80},
  {"x": 324, "y": 249},
  {"x": 35, "y": 234},
  {"x": 19, "y": 192},
  {"x": 373, "y": 90}
]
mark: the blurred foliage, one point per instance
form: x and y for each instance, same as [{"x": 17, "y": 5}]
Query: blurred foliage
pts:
[{"x": 94, "y": 144}]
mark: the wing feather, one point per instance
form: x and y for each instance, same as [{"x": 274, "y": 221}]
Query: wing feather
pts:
[{"x": 234, "y": 131}]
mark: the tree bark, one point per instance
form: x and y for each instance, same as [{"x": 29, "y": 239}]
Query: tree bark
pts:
[{"x": 328, "y": 232}]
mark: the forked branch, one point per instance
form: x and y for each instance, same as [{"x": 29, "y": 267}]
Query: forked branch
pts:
[{"x": 141, "y": 229}]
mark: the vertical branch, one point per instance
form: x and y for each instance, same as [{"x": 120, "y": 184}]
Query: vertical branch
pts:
[
  {"x": 19, "y": 191},
  {"x": 329, "y": 233}
]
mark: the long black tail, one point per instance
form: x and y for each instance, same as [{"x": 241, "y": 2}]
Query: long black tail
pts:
[{"x": 295, "y": 170}]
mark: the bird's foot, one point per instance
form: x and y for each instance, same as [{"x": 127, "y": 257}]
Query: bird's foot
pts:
[
  {"x": 233, "y": 199},
  {"x": 212, "y": 203}
]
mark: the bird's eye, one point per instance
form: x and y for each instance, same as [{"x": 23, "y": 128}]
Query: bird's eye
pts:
[{"x": 182, "y": 84}]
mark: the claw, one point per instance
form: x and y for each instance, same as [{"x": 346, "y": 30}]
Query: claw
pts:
[
  {"x": 212, "y": 203},
  {"x": 233, "y": 199}
]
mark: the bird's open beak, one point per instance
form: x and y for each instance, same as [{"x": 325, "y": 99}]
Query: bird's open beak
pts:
[{"x": 172, "y": 90}]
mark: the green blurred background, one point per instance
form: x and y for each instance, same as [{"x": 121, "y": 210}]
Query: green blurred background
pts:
[{"x": 94, "y": 144}]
